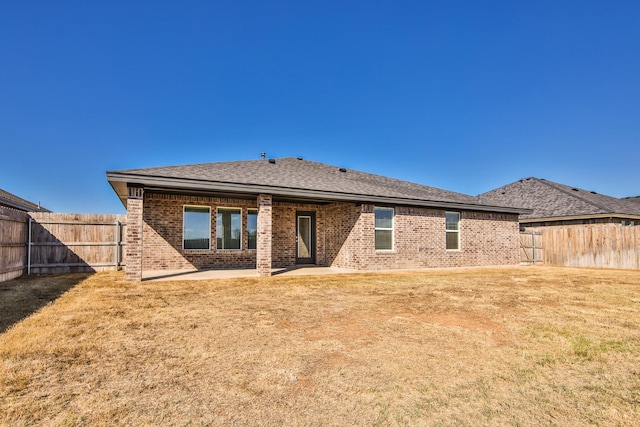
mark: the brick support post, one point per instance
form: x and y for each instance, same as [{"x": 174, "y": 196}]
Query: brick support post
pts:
[
  {"x": 133, "y": 251},
  {"x": 265, "y": 226}
]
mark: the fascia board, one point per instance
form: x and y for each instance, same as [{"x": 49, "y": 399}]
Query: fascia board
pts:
[
  {"x": 17, "y": 205},
  {"x": 578, "y": 217}
]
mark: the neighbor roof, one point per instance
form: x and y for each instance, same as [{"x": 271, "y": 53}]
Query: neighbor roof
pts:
[
  {"x": 15, "y": 202},
  {"x": 635, "y": 199},
  {"x": 552, "y": 201},
  {"x": 293, "y": 179}
]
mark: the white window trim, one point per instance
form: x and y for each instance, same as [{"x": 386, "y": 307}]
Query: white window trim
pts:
[
  {"x": 241, "y": 225},
  {"x": 184, "y": 209},
  {"x": 393, "y": 224},
  {"x": 453, "y": 231},
  {"x": 252, "y": 210}
]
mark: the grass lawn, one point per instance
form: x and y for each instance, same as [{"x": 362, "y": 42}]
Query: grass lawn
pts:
[{"x": 501, "y": 346}]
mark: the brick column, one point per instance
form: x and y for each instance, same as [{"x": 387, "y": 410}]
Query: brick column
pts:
[
  {"x": 263, "y": 254},
  {"x": 133, "y": 251}
]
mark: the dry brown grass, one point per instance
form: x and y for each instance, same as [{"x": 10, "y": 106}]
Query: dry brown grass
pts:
[
  {"x": 21, "y": 297},
  {"x": 504, "y": 346}
]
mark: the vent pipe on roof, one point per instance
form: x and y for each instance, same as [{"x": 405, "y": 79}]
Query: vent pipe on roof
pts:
[
  {"x": 272, "y": 161},
  {"x": 342, "y": 170},
  {"x": 263, "y": 155}
]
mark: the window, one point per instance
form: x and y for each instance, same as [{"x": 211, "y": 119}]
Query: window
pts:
[
  {"x": 252, "y": 229},
  {"x": 196, "y": 228},
  {"x": 453, "y": 230},
  {"x": 229, "y": 228},
  {"x": 384, "y": 229}
]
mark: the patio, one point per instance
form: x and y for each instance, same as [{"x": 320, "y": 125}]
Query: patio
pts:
[{"x": 165, "y": 275}]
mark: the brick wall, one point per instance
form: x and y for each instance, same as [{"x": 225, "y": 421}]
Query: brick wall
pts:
[
  {"x": 264, "y": 234},
  {"x": 163, "y": 223},
  {"x": 134, "y": 249},
  {"x": 344, "y": 236},
  {"x": 419, "y": 239},
  {"x": 284, "y": 232}
]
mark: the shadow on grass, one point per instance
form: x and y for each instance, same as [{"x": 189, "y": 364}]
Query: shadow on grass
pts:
[{"x": 21, "y": 297}]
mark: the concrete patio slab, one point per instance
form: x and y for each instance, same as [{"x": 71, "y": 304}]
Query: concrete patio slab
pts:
[{"x": 164, "y": 275}]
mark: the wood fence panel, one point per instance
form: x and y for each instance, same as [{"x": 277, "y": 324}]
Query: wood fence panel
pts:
[
  {"x": 600, "y": 246},
  {"x": 13, "y": 236},
  {"x": 63, "y": 243},
  {"x": 531, "y": 249}
]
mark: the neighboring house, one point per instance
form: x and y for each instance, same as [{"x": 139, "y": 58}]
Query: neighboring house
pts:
[
  {"x": 12, "y": 201},
  {"x": 284, "y": 212},
  {"x": 557, "y": 204},
  {"x": 635, "y": 199}
]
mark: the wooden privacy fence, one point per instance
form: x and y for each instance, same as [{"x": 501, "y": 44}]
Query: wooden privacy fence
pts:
[
  {"x": 13, "y": 232},
  {"x": 531, "y": 250},
  {"x": 59, "y": 243},
  {"x": 601, "y": 246}
]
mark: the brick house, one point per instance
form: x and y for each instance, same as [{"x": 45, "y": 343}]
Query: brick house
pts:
[
  {"x": 554, "y": 204},
  {"x": 273, "y": 213}
]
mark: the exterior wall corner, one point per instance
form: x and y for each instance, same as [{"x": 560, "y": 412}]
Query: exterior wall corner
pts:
[
  {"x": 133, "y": 251},
  {"x": 265, "y": 232}
]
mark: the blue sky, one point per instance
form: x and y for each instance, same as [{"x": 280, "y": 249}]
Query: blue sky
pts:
[{"x": 461, "y": 95}]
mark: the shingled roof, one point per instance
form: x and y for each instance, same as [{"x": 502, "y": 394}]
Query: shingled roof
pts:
[
  {"x": 550, "y": 200},
  {"x": 293, "y": 178},
  {"x": 12, "y": 201},
  {"x": 635, "y": 199}
]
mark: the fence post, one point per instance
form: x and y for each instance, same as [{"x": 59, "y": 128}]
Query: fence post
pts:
[
  {"x": 118, "y": 240},
  {"x": 29, "y": 248}
]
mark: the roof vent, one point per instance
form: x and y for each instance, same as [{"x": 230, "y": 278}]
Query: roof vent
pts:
[
  {"x": 342, "y": 170},
  {"x": 504, "y": 192},
  {"x": 575, "y": 189},
  {"x": 262, "y": 155},
  {"x": 272, "y": 161},
  {"x": 593, "y": 192},
  {"x": 299, "y": 158}
]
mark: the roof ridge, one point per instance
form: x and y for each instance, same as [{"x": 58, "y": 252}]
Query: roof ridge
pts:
[{"x": 558, "y": 187}]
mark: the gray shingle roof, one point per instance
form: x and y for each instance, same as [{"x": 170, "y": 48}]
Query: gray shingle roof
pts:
[
  {"x": 303, "y": 174},
  {"x": 552, "y": 200},
  {"x": 13, "y": 201},
  {"x": 635, "y": 199},
  {"x": 297, "y": 174}
]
